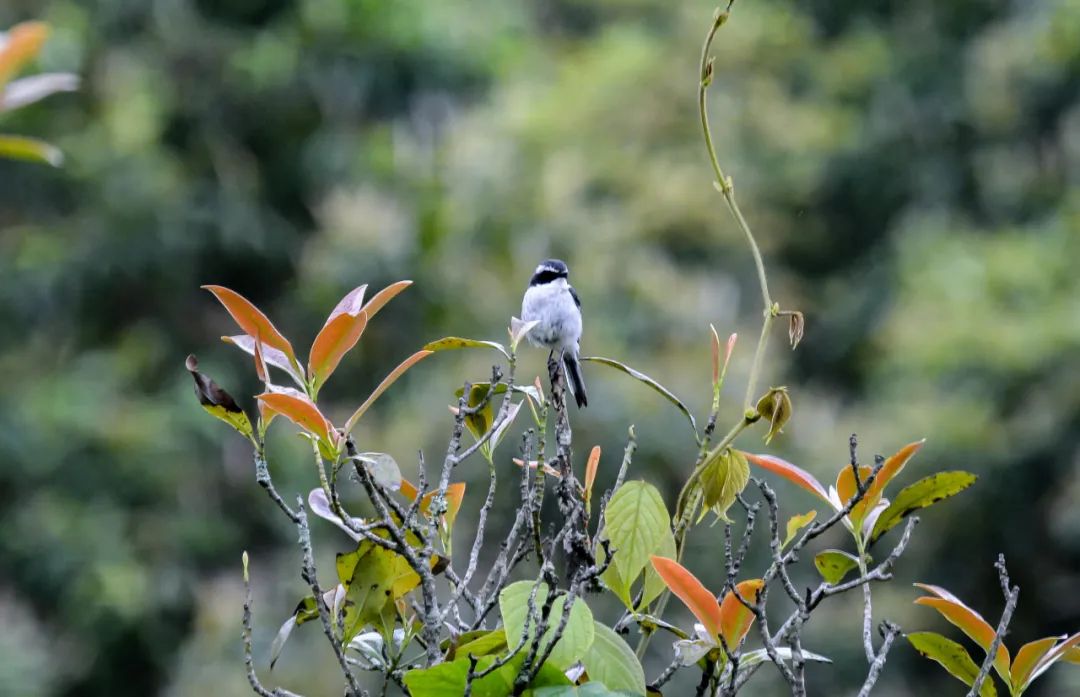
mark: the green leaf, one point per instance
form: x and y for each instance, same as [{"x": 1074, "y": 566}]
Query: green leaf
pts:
[
  {"x": 216, "y": 401},
  {"x": 923, "y": 493},
  {"x": 834, "y": 565},
  {"x": 614, "y": 580},
  {"x": 953, "y": 657},
  {"x": 635, "y": 521},
  {"x": 448, "y": 678},
  {"x": 610, "y": 661},
  {"x": 384, "y": 469},
  {"x": 482, "y": 643},
  {"x": 667, "y": 394},
  {"x": 368, "y": 575},
  {"x": 795, "y": 524},
  {"x": 451, "y": 343},
  {"x": 724, "y": 476},
  {"x": 30, "y": 149},
  {"x": 654, "y": 585},
  {"x": 577, "y": 636},
  {"x": 589, "y": 689}
]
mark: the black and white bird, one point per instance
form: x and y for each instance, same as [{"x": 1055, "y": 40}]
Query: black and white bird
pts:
[{"x": 553, "y": 303}]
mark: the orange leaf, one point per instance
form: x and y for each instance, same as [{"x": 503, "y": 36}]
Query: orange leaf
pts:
[
  {"x": 590, "y": 471},
  {"x": 892, "y": 467},
  {"x": 384, "y": 296},
  {"x": 736, "y": 618},
  {"x": 302, "y": 412},
  {"x": 690, "y": 590},
  {"x": 455, "y": 495},
  {"x": 335, "y": 339},
  {"x": 384, "y": 385},
  {"x": 790, "y": 472},
  {"x": 969, "y": 621},
  {"x": 24, "y": 41},
  {"x": 260, "y": 364},
  {"x": 1066, "y": 650},
  {"x": 533, "y": 464},
  {"x": 846, "y": 488},
  {"x": 252, "y": 320},
  {"x": 1028, "y": 657}
]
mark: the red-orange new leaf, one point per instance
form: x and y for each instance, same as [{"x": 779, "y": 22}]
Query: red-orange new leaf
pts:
[
  {"x": 303, "y": 412},
  {"x": 24, "y": 42},
  {"x": 736, "y": 618},
  {"x": 790, "y": 472},
  {"x": 969, "y": 621},
  {"x": 455, "y": 495},
  {"x": 252, "y": 320},
  {"x": 690, "y": 590},
  {"x": 335, "y": 339}
]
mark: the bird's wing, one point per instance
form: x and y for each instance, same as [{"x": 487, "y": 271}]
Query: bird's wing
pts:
[{"x": 573, "y": 294}]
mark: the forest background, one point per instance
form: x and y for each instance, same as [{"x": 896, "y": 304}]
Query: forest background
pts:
[{"x": 912, "y": 171}]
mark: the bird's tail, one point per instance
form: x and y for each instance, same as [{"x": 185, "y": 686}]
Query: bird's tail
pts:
[{"x": 575, "y": 378}]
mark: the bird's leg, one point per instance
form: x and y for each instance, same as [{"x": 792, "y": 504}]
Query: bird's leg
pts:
[{"x": 554, "y": 363}]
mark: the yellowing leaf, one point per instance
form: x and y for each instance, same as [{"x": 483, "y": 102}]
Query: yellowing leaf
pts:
[
  {"x": 30, "y": 149},
  {"x": 969, "y": 621},
  {"x": 216, "y": 401},
  {"x": 925, "y": 492},
  {"x": 834, "y": 565},
  {"x": 451, "y": 343},
  {"x": 795, "y": 524},
  {"x": 953, "y": 657},
  {"x": 691, "y": 592}
]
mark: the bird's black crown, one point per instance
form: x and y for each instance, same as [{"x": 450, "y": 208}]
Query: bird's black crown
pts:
[{"x": 548, "y": 271}]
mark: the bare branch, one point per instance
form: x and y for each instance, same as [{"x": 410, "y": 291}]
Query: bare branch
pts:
[
  {"x": 249, "y": 661},
  {"x": 1011, "y": 596},
  {"x": 889, "y": 632}
]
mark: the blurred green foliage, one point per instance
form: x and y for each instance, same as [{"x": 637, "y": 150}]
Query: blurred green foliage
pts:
[{"x": 911, "y": 169}]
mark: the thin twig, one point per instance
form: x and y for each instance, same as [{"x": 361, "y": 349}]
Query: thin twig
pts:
[
  {"x": 1011, "y": 596},
  {"x": 889, "y": 632}
]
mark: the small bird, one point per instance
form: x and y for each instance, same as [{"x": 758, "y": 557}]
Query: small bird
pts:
[{"x": 553, "y": 303}]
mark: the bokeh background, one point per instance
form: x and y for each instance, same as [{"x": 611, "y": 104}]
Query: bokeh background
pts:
[{"x": 912, "y": 171}]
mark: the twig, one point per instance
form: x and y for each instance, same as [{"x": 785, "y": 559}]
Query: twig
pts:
[
  {"x": 1011, "y": 596},
  {"x": 310, "y": 577},
  {"x": 262, "y": 476},
  {"x": 889, "y": 632},
  {"x": 249, "y": 661}
]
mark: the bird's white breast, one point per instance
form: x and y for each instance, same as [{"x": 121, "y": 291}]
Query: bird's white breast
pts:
[{"x": 558, "y": 316}]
